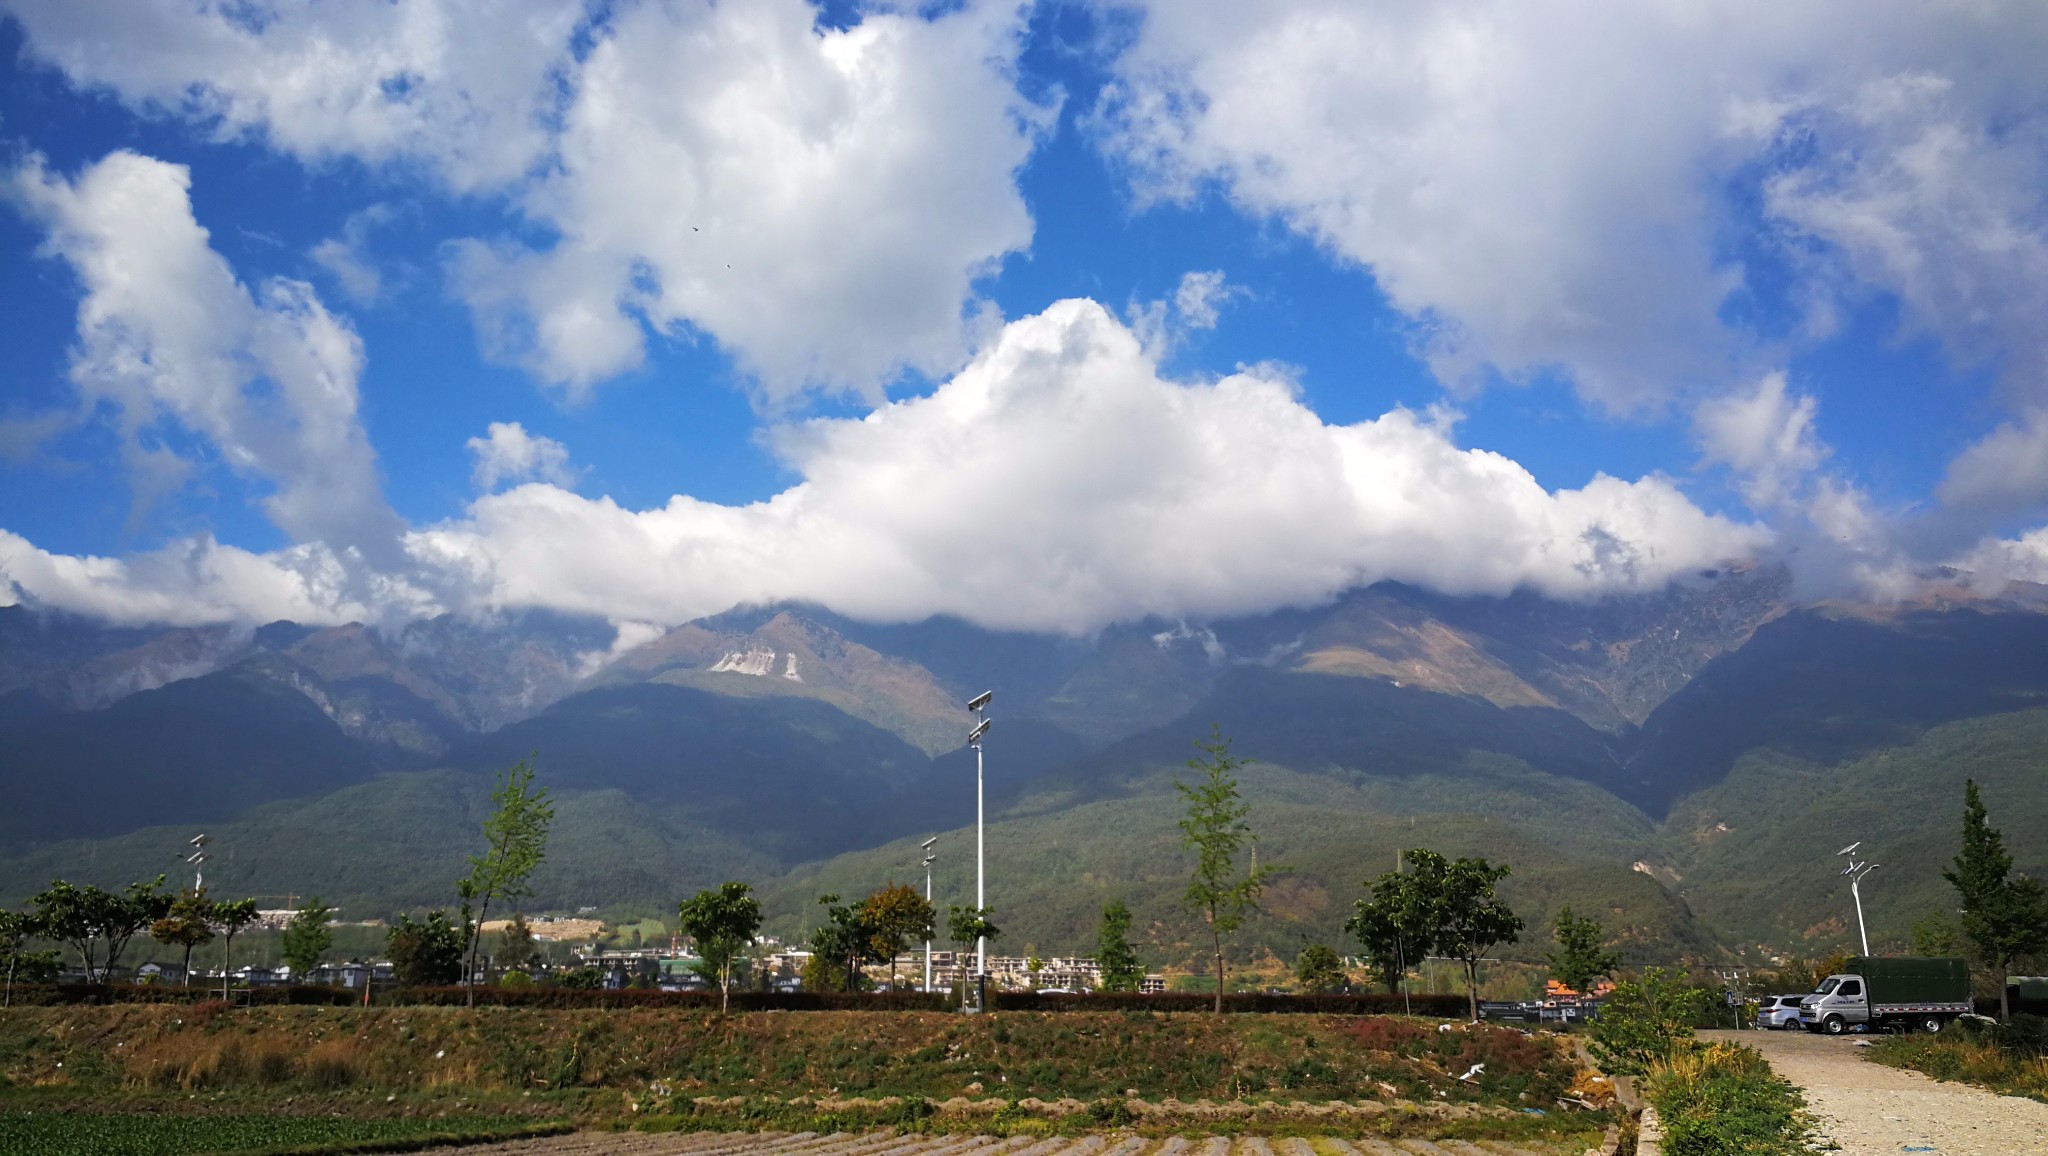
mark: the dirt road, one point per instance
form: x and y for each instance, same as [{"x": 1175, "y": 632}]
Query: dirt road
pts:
[
  {"x": 888, "y": 1144},
  {"x": 1868, "y": 1108}
]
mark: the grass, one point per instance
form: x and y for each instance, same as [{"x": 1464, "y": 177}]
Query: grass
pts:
[
  {"x": 1990, "y": 1059},
  {"x": 1724, "y": 1100},
  {"x": 123, "y": 1134},
  {"x": 780, "y": 1068}
]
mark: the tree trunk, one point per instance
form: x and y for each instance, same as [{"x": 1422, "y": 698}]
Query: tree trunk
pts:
[
  {"x": 725, "y": 986},
  {"x": 2004, "y": 996},
  {"x": 476, "y": 940},
  {"x": 188, "y": 962},
  {"x": 1217, "y": 938},
  {"x": 1472, "y": 986},
  {"x": 227, "y": 963}
]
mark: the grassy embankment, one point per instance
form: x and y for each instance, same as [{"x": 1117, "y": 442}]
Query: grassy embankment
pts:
[
  {"x": 1008, "y": 1072},
  {"x": 2012, "y": 1058}
]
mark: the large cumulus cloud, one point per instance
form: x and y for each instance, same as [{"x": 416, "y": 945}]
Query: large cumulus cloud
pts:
[{"x": 1059, "y": 482}]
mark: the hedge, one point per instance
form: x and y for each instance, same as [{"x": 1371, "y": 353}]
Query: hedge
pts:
[{"x": 1437, "y": 1006}]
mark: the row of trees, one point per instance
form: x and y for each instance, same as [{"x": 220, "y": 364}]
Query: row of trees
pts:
[{"x": 99, "y": 925}]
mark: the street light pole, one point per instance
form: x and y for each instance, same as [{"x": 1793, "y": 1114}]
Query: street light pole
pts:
[
  {"x": 1856, "y": 871},
  {"x": 978, "y": 704},
  {"x": 929, "y": 856}
]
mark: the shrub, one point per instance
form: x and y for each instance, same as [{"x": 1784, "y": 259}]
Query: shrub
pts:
[
  {"x": 1642, "y": 1022},
  {"x": 1724, "y": 1100}
]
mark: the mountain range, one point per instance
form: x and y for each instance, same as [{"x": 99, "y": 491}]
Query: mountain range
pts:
[{"x": 1681, "y": 763}]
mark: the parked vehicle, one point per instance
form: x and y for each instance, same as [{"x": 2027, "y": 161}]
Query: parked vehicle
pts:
[
  {"x": 1777, "y": 1012},
  {"x": 1901, "y": 992}
]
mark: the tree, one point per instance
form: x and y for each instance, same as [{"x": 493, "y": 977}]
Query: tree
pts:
[
  {"x": 16, "y": 929},
  {"x": 1469, "y": 919},
  {"x": 967, "y": 926},
  {"x": 2003, "y": 917},
  {"x": 846, "y": 938},
  {"x": 230, "y": 919},
  {"x": 1113, "y": 953},
  {"x": 722, "y": 922},
  {"x": 899, "y": 917},
  {"x": 1395, "y": 925},
  {"x": 515, "y": 842},
  {"x": 307, "y": 937},
  {"x": 1319, "y": 971},
  {"x": 1580, "y": 957},
  {"x": 517, "y": 948},
  {"x": 425, "y": 952},
  {"x": 89, "y": 918},
  {"x": 187, "y": 924},
  {"x": 1215, "y": 831}
]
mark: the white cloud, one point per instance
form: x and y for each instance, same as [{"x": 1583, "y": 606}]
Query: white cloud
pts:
[
  {"x": 1059, "y": 483},
  {"x": 197, "y": 580},
  {"x": 1200, "y": 297},
  {"x": 1766, "y": 436},
  {"x": 818, "y": 201},
  {"x": 508, "y": 453},
  {"x": 168, "y": 337},
  {"x": 1056, "y": 483},
  {"x": 1547, "y": 184},
  {"x": 345, "y": 257},
  {"x": 459, "y": 87}
]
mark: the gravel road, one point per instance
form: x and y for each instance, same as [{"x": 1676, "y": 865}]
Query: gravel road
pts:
[{"x": 1867, "y": 1108}]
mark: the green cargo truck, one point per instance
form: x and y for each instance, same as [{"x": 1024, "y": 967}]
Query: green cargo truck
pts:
[{"x": 1904, "y": 992}]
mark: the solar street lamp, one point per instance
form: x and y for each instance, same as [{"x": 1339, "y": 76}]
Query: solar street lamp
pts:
[
  {"x": 978, "y": 704},
  {"x": 929, "y": 856},
  {"x": 1856, "y": 871}
]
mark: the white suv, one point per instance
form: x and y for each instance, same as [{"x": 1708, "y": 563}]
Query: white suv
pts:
[{"x": 1778, "y": 1012}]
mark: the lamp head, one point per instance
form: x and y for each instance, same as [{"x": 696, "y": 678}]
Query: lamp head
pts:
[
  {"x": 1851, "y": 847},
  {"x": 980, "y": 729},
  {"x": 927, "y": 844}
]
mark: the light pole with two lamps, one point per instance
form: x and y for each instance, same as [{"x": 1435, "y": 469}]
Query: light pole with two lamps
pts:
[
  {"x": 978, "y": 704},
  {"x": 1856, "y": 871},
  {"x": 929, "y": 856}
]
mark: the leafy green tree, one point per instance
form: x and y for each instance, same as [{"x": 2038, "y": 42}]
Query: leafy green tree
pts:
[
  {"x": 846, "y": 938},
  {"x": 899, "y": 917},
  {"x": 1642, "y": 1023},
  {"x": 17, "y": 928},
  {"x": 1114, "y": 955},
  {"x": 90, "y": 919},
  {"x": 1466, "y": 918},
  {"x": 2004, "y": 917},
  {"x": 967, "y": 926},
  {"x": 1580, "y": 957},
  {"x": 515, "y": 842},
  {"x": 1215, "y": 830},
  {"x": 187, "y": 924},
  {"x": 426, "y": 952},
  {"x": 307, "y": 937},
  {"x": 1395, "y": 925},
  {"x": 1319, "y": 971},
  {"x": 722, "y": 922},
  {"x": 230, "y": 918},
  {"x": 517, "y": 949}
]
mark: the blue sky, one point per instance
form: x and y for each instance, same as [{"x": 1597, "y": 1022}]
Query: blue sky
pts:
[{"x": 332, "y": 311}]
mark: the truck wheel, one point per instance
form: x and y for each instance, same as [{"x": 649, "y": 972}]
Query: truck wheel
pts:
[
  {"x": 1834, "y": 1025},
  {"x": 1930, "y": 1024}
]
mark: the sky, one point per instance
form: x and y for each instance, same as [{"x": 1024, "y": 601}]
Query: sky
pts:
[{"x": 1044, "y": 315}]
